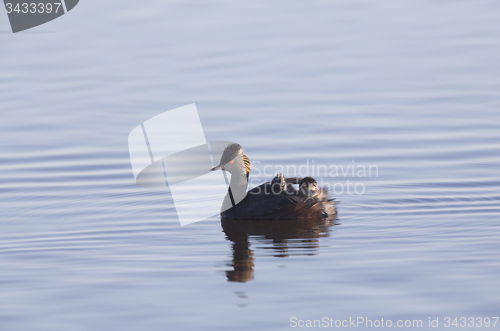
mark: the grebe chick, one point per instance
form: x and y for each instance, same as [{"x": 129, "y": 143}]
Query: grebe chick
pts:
[
  {"x": 308, "y": 186},
  {"x": 274, "y": 200}
]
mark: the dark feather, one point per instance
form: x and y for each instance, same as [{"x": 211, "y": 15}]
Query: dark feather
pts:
[{"x": 261, "y": 203}]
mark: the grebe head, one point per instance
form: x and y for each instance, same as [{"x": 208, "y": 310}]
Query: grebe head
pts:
[
  {"x": 233, "y": 160},
  {"x": 308, "y": 185}
]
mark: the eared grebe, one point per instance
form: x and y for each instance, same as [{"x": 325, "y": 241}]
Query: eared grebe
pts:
[{"x": 274, "y": 200}]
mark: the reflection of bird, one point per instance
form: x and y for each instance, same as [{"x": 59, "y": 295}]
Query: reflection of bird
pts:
[
  {"x": 274, "y": 200},
  {"x": 285, "y": 237}
]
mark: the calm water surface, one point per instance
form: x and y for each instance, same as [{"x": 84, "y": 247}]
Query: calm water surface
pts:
[{"x": 410, "y": 88}]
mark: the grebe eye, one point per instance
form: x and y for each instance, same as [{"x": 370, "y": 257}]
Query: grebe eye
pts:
[{"x": 232, "y": 161}]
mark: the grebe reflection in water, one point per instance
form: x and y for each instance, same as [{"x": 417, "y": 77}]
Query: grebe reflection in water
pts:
[
  {"x": 284, "y": 237},
  {"x": 274, "y": 200}
]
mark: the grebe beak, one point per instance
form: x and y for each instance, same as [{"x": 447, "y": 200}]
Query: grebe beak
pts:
[{"x": 219, "y": 167}]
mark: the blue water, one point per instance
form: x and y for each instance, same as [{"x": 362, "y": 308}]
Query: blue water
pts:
[{"x": 410, "y": 88}]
